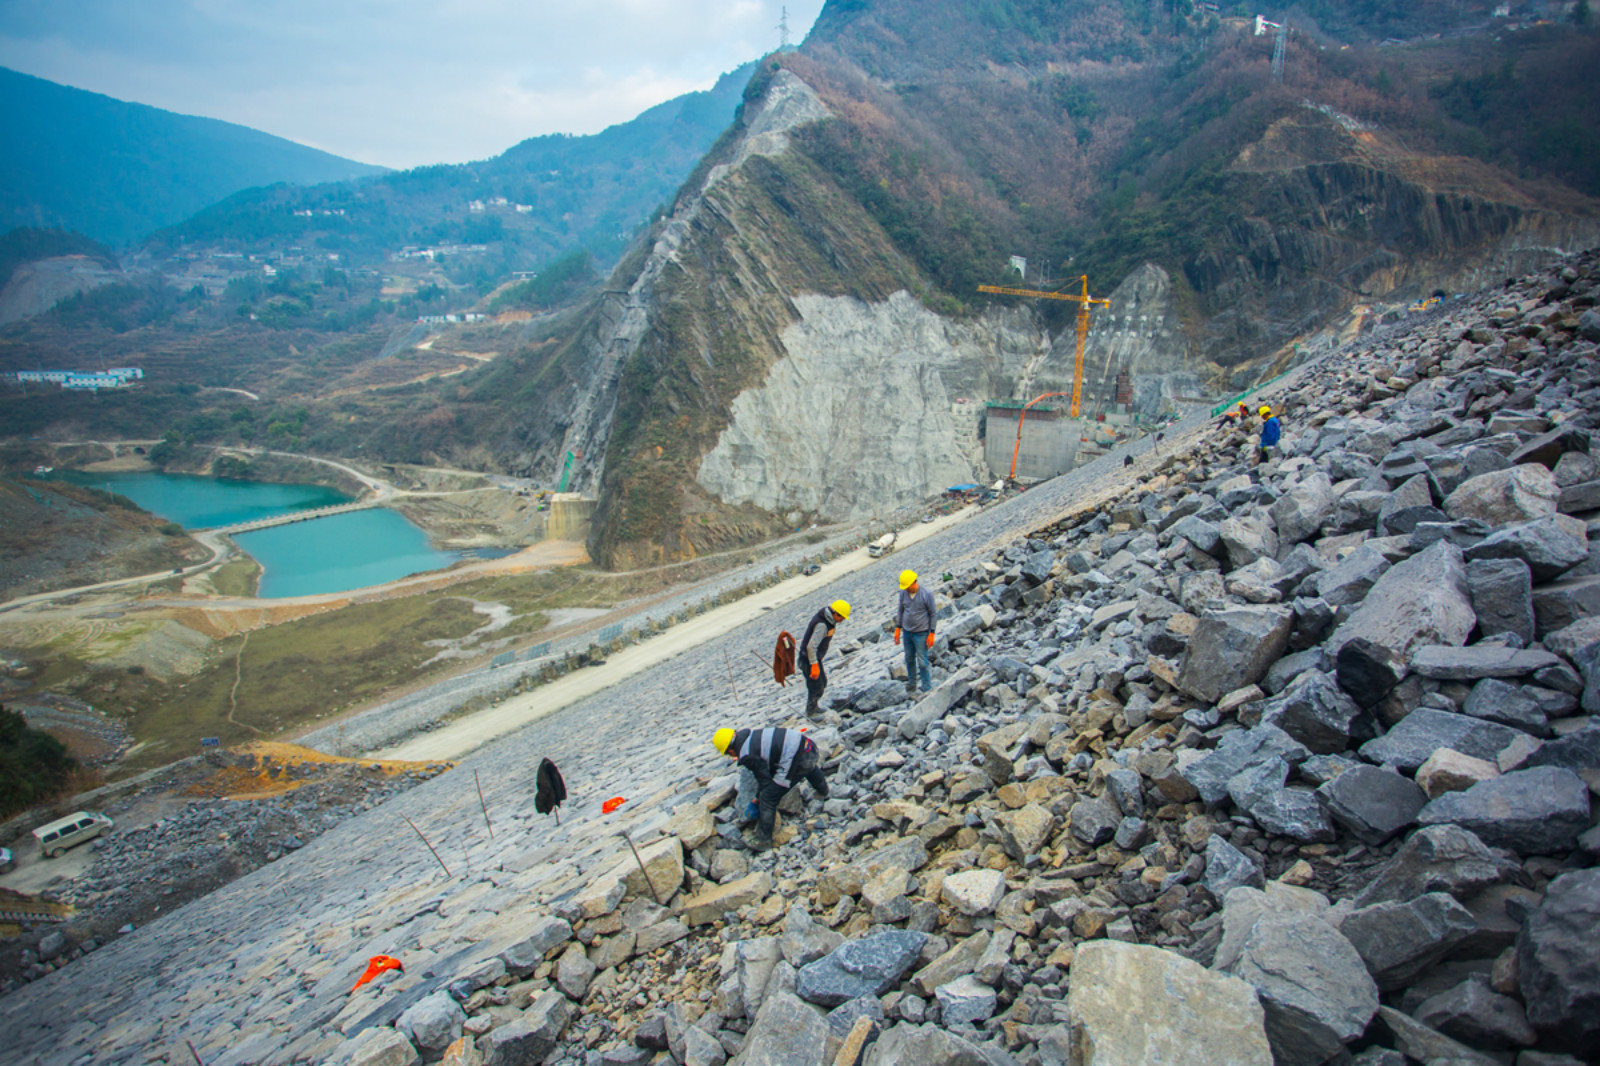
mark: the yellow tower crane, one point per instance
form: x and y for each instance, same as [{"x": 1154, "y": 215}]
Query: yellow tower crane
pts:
[{"x": 1084, "y": 302}]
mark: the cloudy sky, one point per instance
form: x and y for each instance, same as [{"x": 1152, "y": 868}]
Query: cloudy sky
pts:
[{"x": 396, "y": 82}]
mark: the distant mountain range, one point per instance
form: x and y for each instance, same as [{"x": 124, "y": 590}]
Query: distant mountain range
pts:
[{"x": 117, "y": 171}]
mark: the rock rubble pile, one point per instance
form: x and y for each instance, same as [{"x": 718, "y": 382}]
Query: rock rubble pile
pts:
[{"x": 1290, "y": 762}]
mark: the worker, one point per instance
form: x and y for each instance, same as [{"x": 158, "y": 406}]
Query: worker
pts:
[
  {"x": 1234, "y": 417},
  {"x": 915, "y": 616},
  {"x": 814, "y": 645},
  {"x": 1271, "y": 431},
  {"x": 771, "y": 762}
]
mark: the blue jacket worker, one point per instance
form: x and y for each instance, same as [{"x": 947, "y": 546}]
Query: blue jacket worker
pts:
[
  {"x": 915, "y": 616},
  {"x": 1271, "y": 431},
  {"x": 771, "y": 761}
]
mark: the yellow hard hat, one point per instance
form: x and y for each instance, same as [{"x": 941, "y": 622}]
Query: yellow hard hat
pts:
[
  {"x": 1265, "y": 411},
  {"x": 908, "y": 578},
  {"x": 721, "y": 739},
  {"x": 840, "y": 608}
]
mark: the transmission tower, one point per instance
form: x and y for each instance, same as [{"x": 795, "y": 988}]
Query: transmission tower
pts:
[
  {"x": 1278, "y": 48},
  {"x": 783, "y": 29}
]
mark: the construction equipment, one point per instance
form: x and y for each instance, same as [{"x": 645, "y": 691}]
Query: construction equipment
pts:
[
  {"x": 1084, "y": 302},
  {"x": 882, "y": 546},
  {"x": 1022, "y": 416}
]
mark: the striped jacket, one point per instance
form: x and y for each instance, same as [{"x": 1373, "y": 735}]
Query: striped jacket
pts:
[{"x": 771, "y": 753}]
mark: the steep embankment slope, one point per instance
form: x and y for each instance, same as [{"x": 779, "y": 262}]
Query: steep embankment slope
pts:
[{"x": 802, "y": 335}]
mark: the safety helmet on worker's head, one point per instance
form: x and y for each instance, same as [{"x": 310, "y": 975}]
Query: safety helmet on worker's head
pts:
[
  {"x": 1265, "y": 411},
  {"x": 1243, "y": 407},
  {"x": 908, "y": 578},
  {"x": 840, "y": 608},
  {"x": 721, "y": 739}
]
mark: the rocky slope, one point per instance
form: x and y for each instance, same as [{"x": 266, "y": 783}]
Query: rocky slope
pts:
[
  {"x": 819, "y": 270},
  {"x": 1248, "y": 763}
]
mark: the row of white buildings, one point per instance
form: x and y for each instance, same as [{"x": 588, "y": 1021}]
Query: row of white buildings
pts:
[{"x": 121, "y": 377}]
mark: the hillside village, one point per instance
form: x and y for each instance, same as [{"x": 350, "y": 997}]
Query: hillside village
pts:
[{"x": 1240, "y": 763}]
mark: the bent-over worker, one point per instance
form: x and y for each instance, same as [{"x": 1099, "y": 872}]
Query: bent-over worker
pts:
[
  {"x": 814, "y": 645},
  {"x": 915, "y": 617},
  {"x": 776, "y": 760}
]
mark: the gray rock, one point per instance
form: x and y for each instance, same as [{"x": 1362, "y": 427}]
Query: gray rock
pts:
[
  {"x": 1550, "y": 546},
  {"x": 924, "y": 1045},
  {"x": 1502, "y": 596},
  {"x": 514, "y": 1044},
  {"x": 376, "y": 1045},
  {"x": 1300, "y": 512},
  {"x": 1237, "y": 750},
  {"x": 934, "y": 706},
  {"x": 1257, "y": 781},
  {"x": 1558, "y": 968},
  {"x": 843, "y": 1017},
  {"x": 548, "y": 1015},
  {"x": 1424, "y": 1044},
  {"x": 1511, "y": 705},
  {"x": 1444, "y": 663},
  {"x": 1313, "y": 985},
  {"x": 1228, "y": 868},
  {"x": 1580, "y": 498},
  {"x": 1502, "y": 497},
  {"x": 1036, "y": 567},
  {"x": 700, "y": 1048},
  {"x": 574, "y": 971},
  {"x": 1348, "y": 582},
  {"x": 1439, "y": 858},
  {"x": 1314, "y": 711},
  {"x": 1130, "y": 1005},
  {"x": 1532, "y": 812},
  {"x": 1579, "y": 752},
  {"x": 804, "y": 941},
  {"x": 786, "y": 1032},
  {"x": 1399, "y": 939},
  {"x": 1368, "y": 671},
  {"x": 965, "y": 1001},
  {"x": 432, "y": 1022},
  {"x": 1373, "y": 804},
  {"x": 1094, "y": 821},
  {"x": 1202, "y": 534},
  {"x": 1478, "y": 1015},
  {"x": 1425, "y": 730},
  {"x": 866, "y": 967},
  {"x": 753, "y": 964},
  {"x": 1423, "y": 600},
  {"x": 1126, "y": 789},
  {"x": 523, "y": 957},
  {"x": 1232, "y": 648},
  {"x": 1294, "y": 813},
  {"x": 1247, "y": 538}
]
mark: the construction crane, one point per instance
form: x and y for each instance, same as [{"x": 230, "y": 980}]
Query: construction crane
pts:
[{"x": 1084, "y": 302}]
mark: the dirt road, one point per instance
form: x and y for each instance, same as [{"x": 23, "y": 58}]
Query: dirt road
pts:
[{"x": 466, "y": 734}]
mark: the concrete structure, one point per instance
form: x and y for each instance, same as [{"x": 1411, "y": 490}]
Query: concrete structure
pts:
[
  {"x": 570, "y": 515},
  {"x": 1049, "y": 440}
]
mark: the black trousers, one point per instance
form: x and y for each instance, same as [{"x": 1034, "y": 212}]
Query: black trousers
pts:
[
  {"x": 769, "y": 793},
  {"x": 815, "y": 685}
]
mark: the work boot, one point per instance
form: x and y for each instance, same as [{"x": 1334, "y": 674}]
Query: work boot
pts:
[
  {"x": 760, "y": 841},
  {"x": 812, "y": 709}
]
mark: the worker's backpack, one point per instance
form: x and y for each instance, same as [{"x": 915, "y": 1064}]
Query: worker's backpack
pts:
[
  {"x": 549, "y": 790},
  {"x": 783, "y": 658}
]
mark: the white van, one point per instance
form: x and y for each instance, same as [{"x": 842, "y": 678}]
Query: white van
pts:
[{"x": 63, "y": 833}]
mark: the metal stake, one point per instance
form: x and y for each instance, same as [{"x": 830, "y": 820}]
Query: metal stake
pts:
[
  {"x": 417, "y": 831},
  {"x": 196, "y": 1054},
  {"x": 482, "y": 804},
  {"x": 653, "y": 893}
]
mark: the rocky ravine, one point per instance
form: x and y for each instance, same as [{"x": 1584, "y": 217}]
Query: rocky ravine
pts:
[{"x": 1291, "y": 763}]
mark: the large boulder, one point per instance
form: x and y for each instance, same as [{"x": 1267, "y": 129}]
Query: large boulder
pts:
[
  {"x": 1300, "y": 511},
  {"x": 908, "y": 853},
  {"x": 1399, "y": 939},
  {"x": 1348, "y": 582},
  {"x": 1502, "y": 497},
  {"x": 1317, "y": 713},
  {"x": 1232, "y": 648},
  {"x": 1562, "y": 603},
  {"x": 1516, "y": 706},
  {"x": 974, "y": 892},
  {"x": 1438, "y": 858},
  {"x": 1532, "y": 812},
  {"x": 1474, "y": 1012},
  {"x": 785, "y": 1032},
  {"x": 1550, "y": 546},
  {"x": 713, "y": 901},
  {"x": 1426, "y": 730},
  {"x": 523, "y": 957},
  {"x": 1238, "y": 750},
  {"x": 935, "y": 705},
  {"x": 1423, "y": 600},
  {"x": 1228, "y": 868},
  {"x": 1247, "y": 538},
  {"x": 922, "y": 1045},
  {"x": 433, "y": 1022},
  {"x": 1313, "y": 985},
  {"x": 1372, "y": 803},
  {"x": 1445, "y": 663},
  {"x": 1558, "y": 965},
  {"x": 866, "y": 967},
  {"x": 1130, "y": 1005},
  {"x": 1502, "y": 597}
]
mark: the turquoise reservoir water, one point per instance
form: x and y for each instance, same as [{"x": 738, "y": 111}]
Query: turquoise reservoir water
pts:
[{"x": 333, "y": 554}]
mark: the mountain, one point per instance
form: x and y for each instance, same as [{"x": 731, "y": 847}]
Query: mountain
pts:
[
  {"x": 803, "y": 337},
  {"x": 118, "y": 171},
  {"x": 532, "y": 203}
]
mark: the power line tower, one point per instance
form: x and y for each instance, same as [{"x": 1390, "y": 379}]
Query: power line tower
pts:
[
  {"x": 783, "y": 29},
  {"x": 1279, "y": 47}
]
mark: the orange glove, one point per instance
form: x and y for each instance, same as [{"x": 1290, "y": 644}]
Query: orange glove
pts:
[
  {"x": 816, "y": 670},
  {"x": 897, "y": 636},
  {"x": 930, "y": 640}
]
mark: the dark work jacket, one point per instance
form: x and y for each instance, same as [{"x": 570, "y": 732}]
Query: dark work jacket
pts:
[
  {"x": 819, "y": 634},
  {"x": 770, "y": 754}
]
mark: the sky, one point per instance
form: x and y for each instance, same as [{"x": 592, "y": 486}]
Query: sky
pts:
[{"x": 399, "y": 83}]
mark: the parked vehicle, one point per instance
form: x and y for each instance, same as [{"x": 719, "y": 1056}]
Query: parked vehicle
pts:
[
  {"x": 882, "y": 546},
  {"x": 810, "y": 568},
  {"x": 70, "y": 831}
]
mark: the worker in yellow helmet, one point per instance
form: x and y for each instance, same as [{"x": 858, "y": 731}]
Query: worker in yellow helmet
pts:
[
  {"x": 1271, "y": 432},
  {"x": 771, "y": 762},
  {"x": 915, "y": 616},
  {"x": 813, "y": 646}
]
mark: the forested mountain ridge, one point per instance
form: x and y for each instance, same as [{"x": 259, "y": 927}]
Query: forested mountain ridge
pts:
[{"x": 118, "y": 171}]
